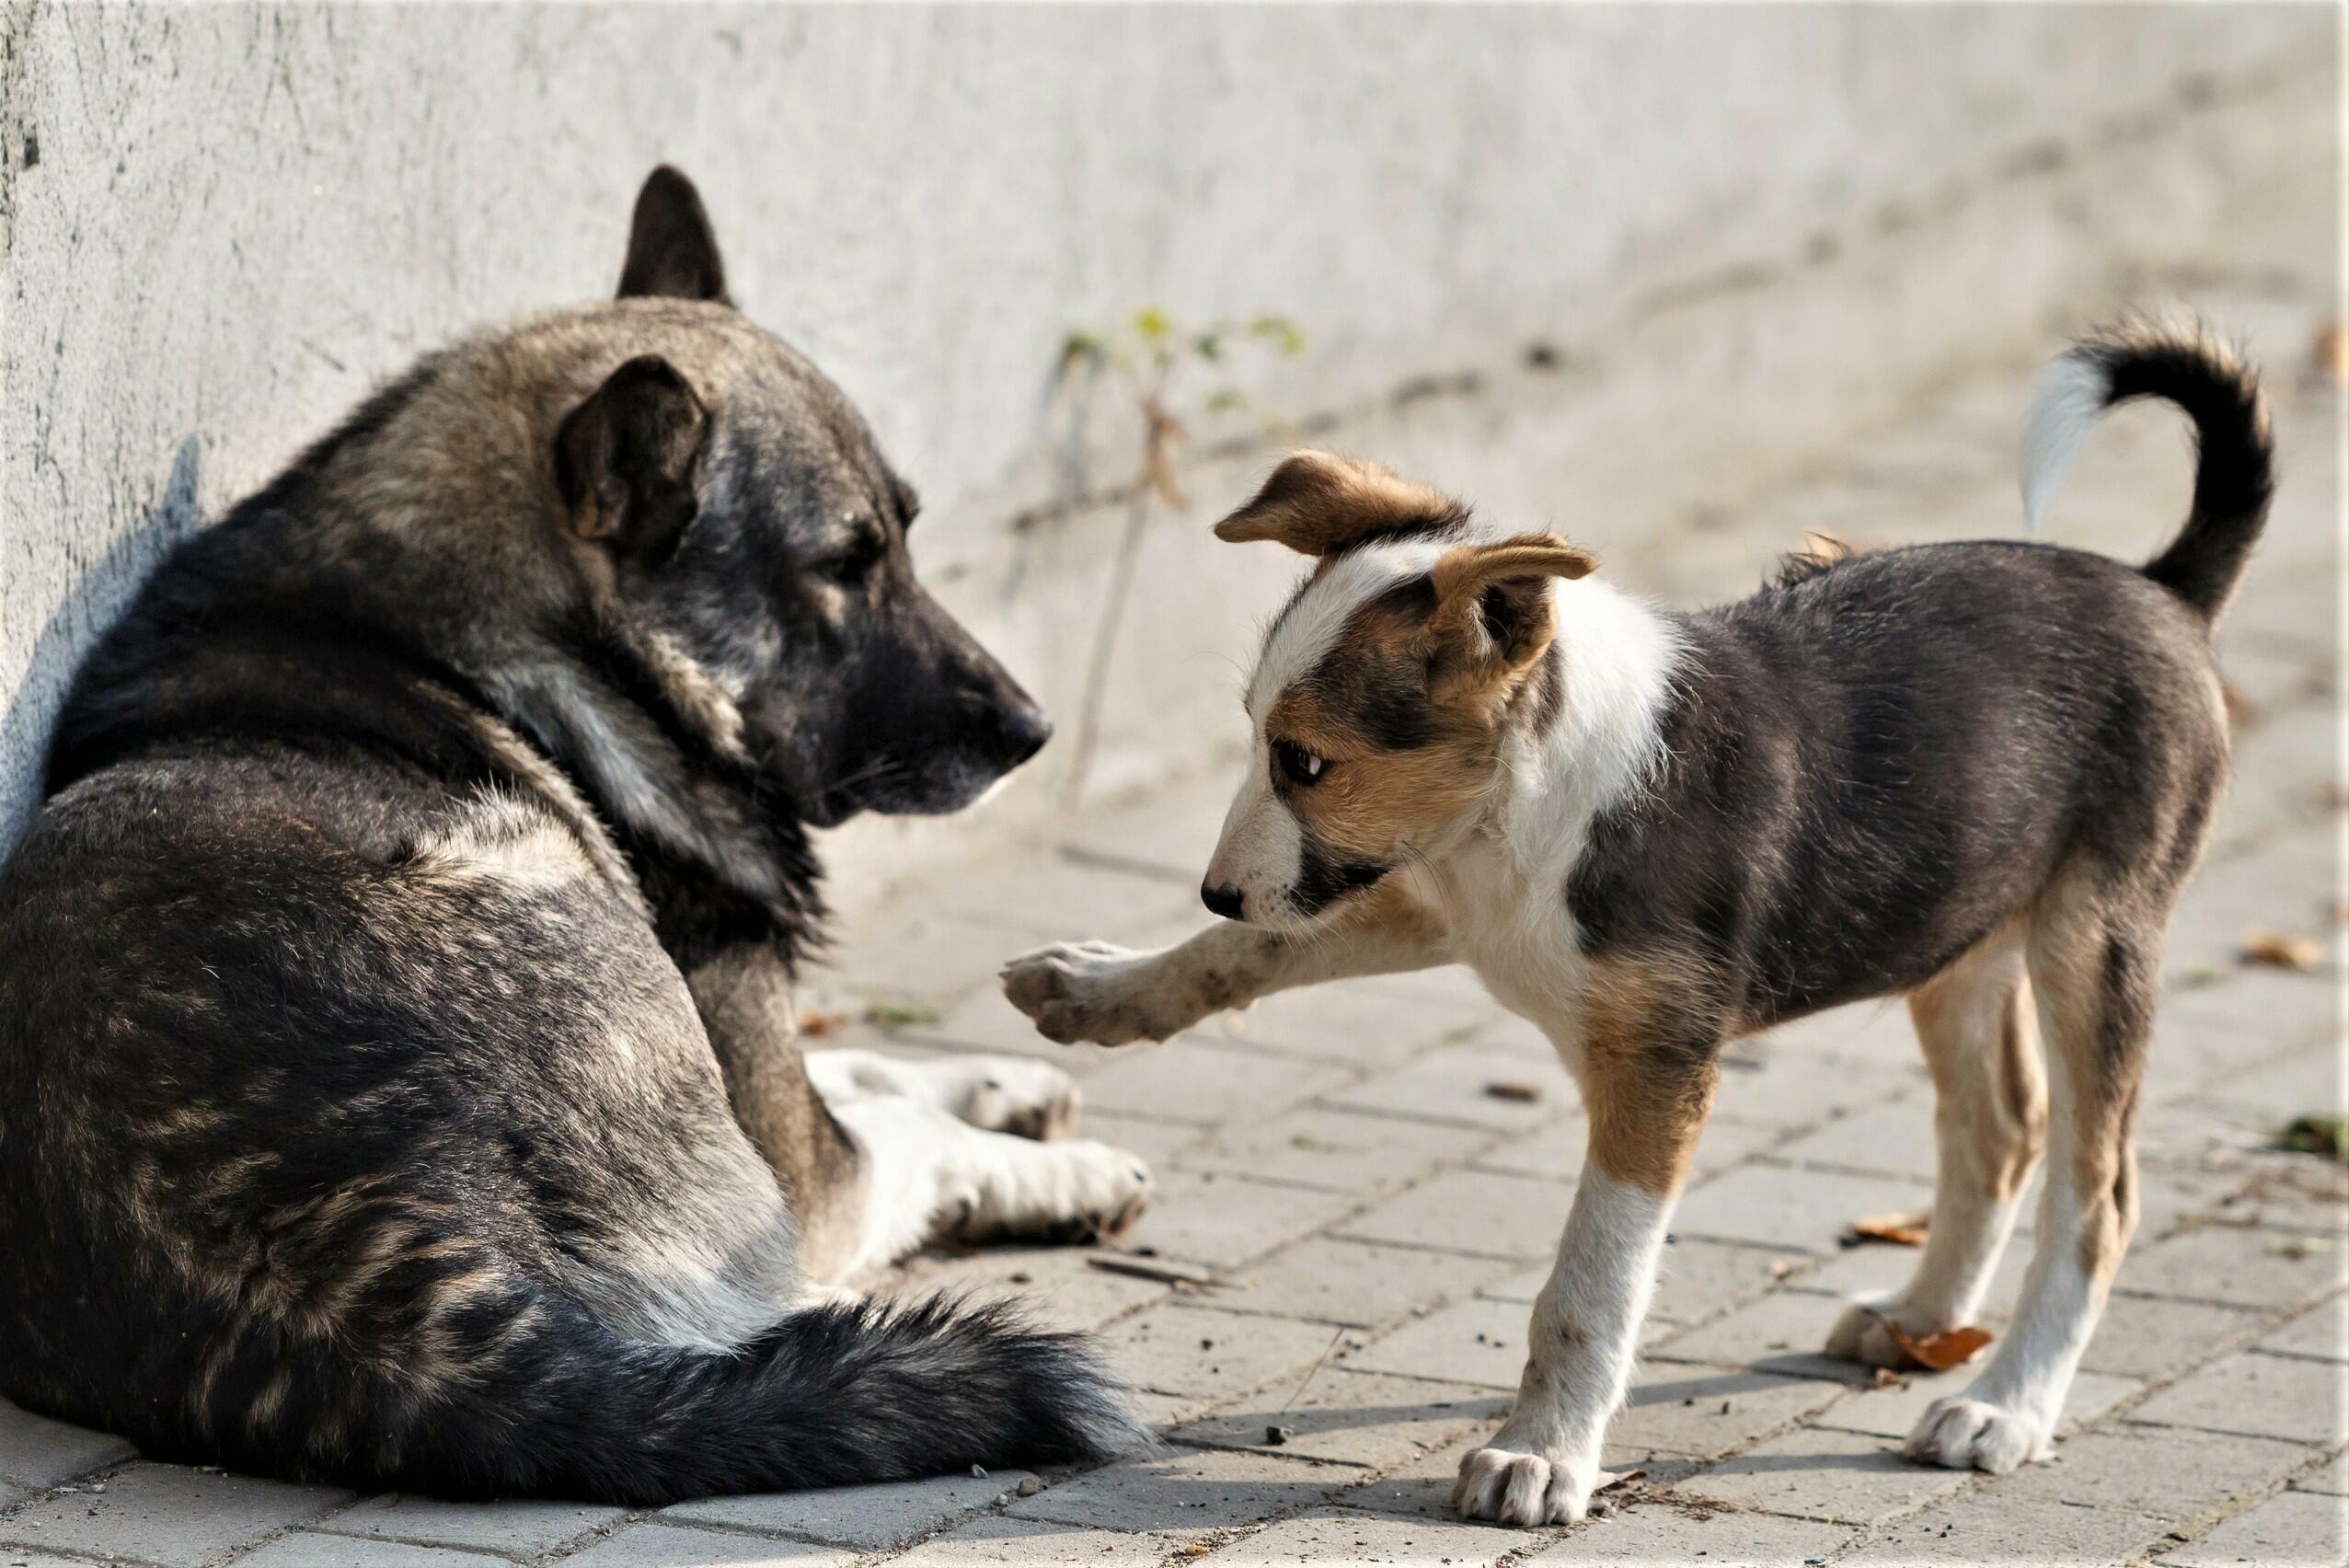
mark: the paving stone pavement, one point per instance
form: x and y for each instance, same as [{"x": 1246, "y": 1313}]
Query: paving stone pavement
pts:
[{"x": 1374, "y": 1220}]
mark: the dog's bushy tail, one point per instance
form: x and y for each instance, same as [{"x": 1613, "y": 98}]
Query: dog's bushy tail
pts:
[
  {"x": 2234, "y": 478},
  {"x": 563, "y": 1406}
]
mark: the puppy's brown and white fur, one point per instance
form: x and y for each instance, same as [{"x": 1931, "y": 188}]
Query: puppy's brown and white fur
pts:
[{"x": 1976, "y": 774}]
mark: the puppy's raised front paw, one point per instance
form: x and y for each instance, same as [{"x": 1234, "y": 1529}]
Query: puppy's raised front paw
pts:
[
  {"x": 1095, "y": 992},
  {"x": 1517, "y": 1488},
  {"x": 1958, "y": 1433}
]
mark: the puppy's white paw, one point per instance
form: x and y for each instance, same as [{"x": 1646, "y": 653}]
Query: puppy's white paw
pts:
[
  {"x": 1861, "y": 1334},
  {"x": 1958, "y": 1433},
  {"x": 1011, "y": 1094},
  {"x": 1095, "y": 992},
  {"x": 1515, "y": 1488}
]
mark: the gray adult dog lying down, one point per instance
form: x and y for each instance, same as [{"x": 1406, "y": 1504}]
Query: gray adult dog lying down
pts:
[{"x": 398, "y": 1083}]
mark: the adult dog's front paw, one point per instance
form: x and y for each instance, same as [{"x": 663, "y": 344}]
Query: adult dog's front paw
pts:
[
  {"x": 1961, "y": 1433},
  {"x": 1515, "y": 1488},
  {"x": 1095, "y": 992}
]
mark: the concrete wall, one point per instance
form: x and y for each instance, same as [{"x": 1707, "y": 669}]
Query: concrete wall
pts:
[{"x": 1608, "y": 267}]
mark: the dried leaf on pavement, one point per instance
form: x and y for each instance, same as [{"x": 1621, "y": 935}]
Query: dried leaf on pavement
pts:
[
  {"x": 2279, "y": 950},
  {"x": 1903, "y": 1229},
  {"x": 1938, "y": 1352}
]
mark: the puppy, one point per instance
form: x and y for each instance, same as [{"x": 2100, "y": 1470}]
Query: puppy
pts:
[
  {"x": 398, "y": 1083},
  {"x": 1974, "y": 774}
]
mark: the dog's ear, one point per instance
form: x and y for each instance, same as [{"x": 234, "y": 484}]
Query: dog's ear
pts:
[
  {"x": 1492, "y": 616},
  {"x": 1318, "y": 503},
  {"x": 672, "y": 252},
  {"x": 625, "y": 460}
]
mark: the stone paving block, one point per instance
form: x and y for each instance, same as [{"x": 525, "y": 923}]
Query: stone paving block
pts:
[
  {"x": 1772, "y": 1205},
  {"x": 1202, "y": 1352},
  {"x": 1332, "y": 1280},
  {"x": 1353, "y": 1417},
  {"x": 166, "y": 1514},
  {"x": 2289, "y": 1191},
  {"x": 1480, "y": 1342},
  {"x": 1192, "y": 1079},
  {"x": 1050, "y": 898},
  {"x": 1452, "y": 1084},
  {"x": 1782, "y": 1332},
  {"x": 1764, "y": 1084},
  {"x": 2265, "y": 1396},
  {"x": 656, "y": 1545},
  {"x": 1892, "y": 1139},
  {"x": 1345, "y": 1535},
  {"x": 1161, "y": 1144},
  {"x": 1708, "y": 1411},
  {"x": 869, "y": 1517},
  {"x": 1052, "y": 1286},
  {"x": 1553, "y": 1152},
  {"x": 2292, "y": 1528},
  {"x": 1355, "y": 1021},
  {"x": 2143, "y": 1336},
  {"x": 1895, "y": 1413},
  {"x": 2236, "y": 1265},
  {"x": 1653, "y": 1530},
  {"x": 2330, "y": 1477},
  {"x": 2163, "y": 1471},
  {"x": 2307, "y": 1082},
  {"x": 38, "y": 1453},
  {"x": 1034, "y": 1543},
  {"x": 1990, "y": 1527},
  {"x": 1340, "y": 1151},
  {"x": 1841, "y": 1476},
  {"x": 1189, "y": 1490},
  {"x": 317, "y": 1549},
  {"x": 1223, "y": 1220},
  {"x": 517, "y": 1530},
  {"x": 1483, "y": 1213}
]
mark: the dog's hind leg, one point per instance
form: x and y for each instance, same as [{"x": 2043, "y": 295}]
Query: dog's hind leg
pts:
[
  {"x": 2094, "y": 960},
  {"x": 925, "y": 1177},
  {"x": 1981, "y": 1042},
  {"x": 997, "y": 1094}
]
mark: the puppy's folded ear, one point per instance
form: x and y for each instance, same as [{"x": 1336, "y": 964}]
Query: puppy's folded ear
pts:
[
  {"x": 625, "y": 460},
  {"x": 1493, "y": 614},
  {"x": 1318, "y": 504},
  {"x": 672, "y": 251}
]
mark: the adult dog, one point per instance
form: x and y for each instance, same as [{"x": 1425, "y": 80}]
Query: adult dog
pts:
[
  {"x": 398, "y": 1083},
  {"x": 1977, "y": 774}
]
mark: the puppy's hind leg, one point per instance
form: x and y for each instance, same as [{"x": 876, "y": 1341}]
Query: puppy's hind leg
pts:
[
  {"x": 2094, "y": 968},
  {"x": 999, "y": 1094},
  {"x": 1981, "y": 1044},
  {"x": 927, "y": 1177}
]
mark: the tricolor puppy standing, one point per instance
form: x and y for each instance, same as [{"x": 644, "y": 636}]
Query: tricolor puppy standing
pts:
[{"x": 1976, "y": 774}]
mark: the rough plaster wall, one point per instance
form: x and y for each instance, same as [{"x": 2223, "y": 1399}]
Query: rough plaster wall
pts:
[{"x": 220, "y": 225}]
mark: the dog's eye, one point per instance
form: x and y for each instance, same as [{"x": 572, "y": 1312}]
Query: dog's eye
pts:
[
  {"x": 1297, "y": 764},
  {"x": 853, "y": 564}
]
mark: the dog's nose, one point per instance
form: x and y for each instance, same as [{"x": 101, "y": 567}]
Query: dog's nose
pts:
[
  {"x": 1025, "y": 731},
  {"x": 1223, "y": 901}
]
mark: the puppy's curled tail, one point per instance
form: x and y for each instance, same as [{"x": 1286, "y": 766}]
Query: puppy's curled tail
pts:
[
  {"x": 2234, "y": 477},
  {"x": 563, "y": 1406}
]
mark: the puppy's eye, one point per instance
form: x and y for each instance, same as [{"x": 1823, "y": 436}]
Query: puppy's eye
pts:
[{"x": 1297, "y": 764}]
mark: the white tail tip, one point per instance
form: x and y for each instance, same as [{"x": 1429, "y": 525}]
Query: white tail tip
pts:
[{"x": 2073, "y": 393}]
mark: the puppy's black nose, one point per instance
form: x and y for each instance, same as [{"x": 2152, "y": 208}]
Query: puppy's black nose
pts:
[
  {"x": 1223, "y": 901},
  {"x": 1025, "y": 731}
]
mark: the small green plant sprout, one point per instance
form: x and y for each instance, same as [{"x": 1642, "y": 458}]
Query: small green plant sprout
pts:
[{"x": 1175, "y": 373}]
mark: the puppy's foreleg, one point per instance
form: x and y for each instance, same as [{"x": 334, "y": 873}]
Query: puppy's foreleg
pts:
[
  {"x": 1646, "y": 1109},
  {"x": 1112, "y": 995}
]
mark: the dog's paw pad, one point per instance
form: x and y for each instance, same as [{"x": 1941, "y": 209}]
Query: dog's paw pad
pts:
[
  {"x": 1962, "y": 1433},
  {"x": 1090, "y": 992}
]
